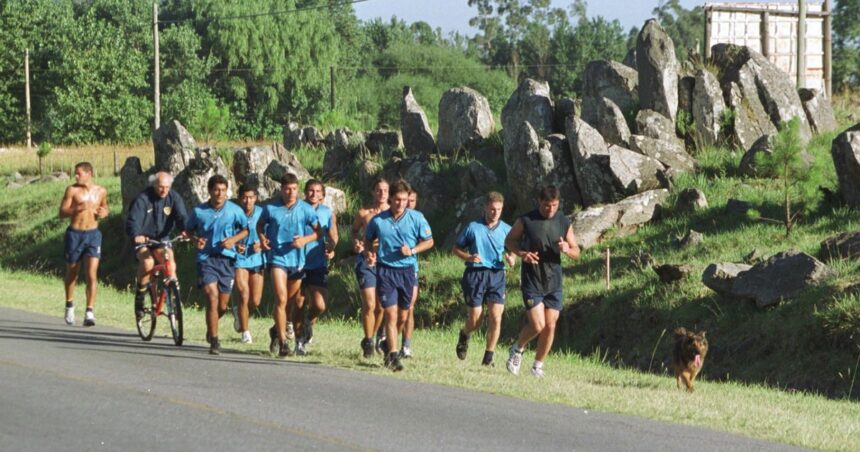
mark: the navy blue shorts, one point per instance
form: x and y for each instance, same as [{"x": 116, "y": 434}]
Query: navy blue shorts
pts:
[
  {"x": 316, "y": 277},
  {"x": 253, "y": 270},
  {"x": 293, "y": 273},
  {"x": 552, "y": 300},
  {"x": 395, "y": 286},
  {"x": 483, "y": 285},
  {"x": 80, "y": 244},
  {"x": 365, "y": 275},
  {"x": 217, "y": 269}
]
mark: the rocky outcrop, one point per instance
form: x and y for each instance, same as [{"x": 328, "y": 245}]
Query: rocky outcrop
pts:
[
  {"x": 605, "y": 116},
  {"x": 780, "y": 277},
  {"x": 417, "y": 171},
  {"x": 721, "y": 277},
  {"x": 614, "y": 81},
  {"x": 708, "y": 107},
  {"x": 669, "y": 153},
  {"x": 658, "y": 70},
  {"x": 651, "y": 124},
  {"x": 249, "y": 167},
  {"x": 748, "y": 120},
  {"x": 174, "y": 147},
  {"x": 590, "y": 159},
  {"x": 686, "y": 87},
  {"x": 633, "y": 172},
  {"x": 367, "y": 172},
  {"x": 132, "y": 181},
  {"x": 384, "y": 142},
  {"x": 845, "y": 151},
  {"x": 288, "y": 164},
  {"x": 477, "y": 179},
  {"x": 623, "y": 218},
  {"x": 464, "y": 119},
  {"x": 691, "y": 200},
  {"x": 531, "y": 102},
  {"x": 417, "y": 135},
  {"x": 340, "y": 154},
  {"x": 564, "y": 108},
  {"x": 533, "y": 162},
  {"x": 192, "y": 182},
  {"x": 842, "y": 246},
  {"x": 335, "y": 199},
  {"x": 819, "y": 113},
  {"x": 669, "y": 273},
  {"x": 760, "y": 83}
]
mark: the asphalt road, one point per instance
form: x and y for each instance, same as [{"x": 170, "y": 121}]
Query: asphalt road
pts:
[{"x": 71, "y": 388}]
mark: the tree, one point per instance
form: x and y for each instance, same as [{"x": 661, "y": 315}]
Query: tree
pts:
[
  {"x": 42, "y": 152},
  {"x": 212, "y": 120},
  {"x": 575, "y": 46},
  {"x": 846, "y": 44},
  {"x": 685, "y": 26},
  {"x": 786, "y": 162}
]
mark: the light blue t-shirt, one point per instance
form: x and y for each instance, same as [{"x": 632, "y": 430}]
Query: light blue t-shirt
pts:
[
  {"x": 409, "y": 229},
  {"x": 215, "y": 226},
  {"x": 250, "y": 259},
  {"x": 487, "y": 243},
  {"x": 316, "y": 250},
  {"x": 281, "y": 224}
]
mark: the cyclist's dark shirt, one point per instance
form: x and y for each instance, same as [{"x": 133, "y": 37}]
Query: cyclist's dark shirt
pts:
[
  {"x": 155, "y": 217},
  {"x": 542, "y": 235}
]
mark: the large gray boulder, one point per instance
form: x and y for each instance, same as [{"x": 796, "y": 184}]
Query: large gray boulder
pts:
[
  {"x": 841, "y": 246},
  {"x": 780, "y": 277},
  {"x": 367, "y": 172},
  {"x": 287, "y": 164},
  {"x": 533, "y": 162},
  {"x": 670, "y": 153},
  {"x": 749, "y": 118},
  {"x": 294, "y": 135},
  {"x": 658, "y": 70},
  {"x": 417, "y": 135},
  {"x": 531, "y": 102},
  {"x": 249, "y": 166},
  {"x": 721, "y": 277},
  {"x": 590, "y": 158},
  {"x": 340, "y": 153},
  {"x": 465, "y": 118},
  {"x": 564, "y": 108},
  {"x": 477, "y": 179},
  {"x": 760, "y": 82},
  {"x": 335, "y": 199},
  {"x": 614, "y": 81},
  {"x": 383, "y": 142},
  {"x": 591, "y": 225},
  {"x": 420, "y": 175},
  {"x": 845, "y": 151},
  {"x": 192, "y": 182},
  {"x": 708, "y": 107},
  {"x": 132, "y": 181},
  {"x": 174, "y": 147},
  {"x": 633, "y": 172},
  {"x": 655, "y": 125},
  {"x": 686, "y": 87},
  {"x": 819, "y": 113},
  {"x": 605, "y": 116}
]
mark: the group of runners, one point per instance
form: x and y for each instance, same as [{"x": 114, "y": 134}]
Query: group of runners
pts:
[{"x": 295, "y": 239}]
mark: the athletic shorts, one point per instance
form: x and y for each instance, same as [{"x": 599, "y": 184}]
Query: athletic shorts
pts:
[
  {"x": 316, "y": 277},
  {"x": 254, "y": 270},
  {"x": 293, "y": 273},
  {"x": 216, "y": 269},
  {"x": 80, "y": 244},
  {"x": 552, "y": 300},
  {"x": 395, "y": 286},
  {"x": 365, "y": 275},
  {"x": 482, "y": 285}
]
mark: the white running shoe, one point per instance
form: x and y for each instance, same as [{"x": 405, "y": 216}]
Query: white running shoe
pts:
[
  {"x": 237, "y": 325},
  {"x": 537, "y": 372},
  {"x": 514, "y": 360},
  {"x": 291, "y": 334},
  {"x": 89, "y": 319},
  {"x": 246, "y": 338},
  {"x": 300, "y": 349},
  {"x": 70, "y": 316},
  {"x": 406, "y": 352}
]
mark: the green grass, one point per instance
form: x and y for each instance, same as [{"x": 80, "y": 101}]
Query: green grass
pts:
[{"x": 588, "y": 382}]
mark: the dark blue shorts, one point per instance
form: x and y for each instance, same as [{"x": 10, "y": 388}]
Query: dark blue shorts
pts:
[
  {"x": 552, "y": 300},
  {"x": 483, "y": 285},
  {"x": 316, "y": 277},
  {"x": 395, "y": 286},
  {"x": 253, "y": 270},
  {"x": 293, "y": 273},
  {"x": 365, "y": 275},
  {"x": 217, "y": 269},
  {"x": 80, "y": 244}
]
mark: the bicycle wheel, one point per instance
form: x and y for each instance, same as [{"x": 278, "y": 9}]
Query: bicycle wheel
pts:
[
  {"x": 146, "y": 324},
  {"x": 174, "y": 315}
]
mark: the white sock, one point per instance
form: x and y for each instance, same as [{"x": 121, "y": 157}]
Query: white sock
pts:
[{"x": 538, "y": 364}]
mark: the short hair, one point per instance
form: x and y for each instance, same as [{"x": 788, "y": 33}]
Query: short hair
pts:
[
  {"x": 311, "y": 182},
  {"x": 495, "y": 196},
  {"x": 289, "y": 178},
  {"x": 244, "y": 188},
  {"x": 379, "y": 180},
  {"x": 160, "y": 174},
  {"x": 86, "y": 166},
  {"x": 216, "y": 180},
  {"x": 413, "y": 191},
  {"x": 548, "y": 193},
  {"x": 401, "y": 186}
]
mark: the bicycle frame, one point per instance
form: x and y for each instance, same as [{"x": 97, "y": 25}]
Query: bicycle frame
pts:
[{"x": 164, "y": 270}]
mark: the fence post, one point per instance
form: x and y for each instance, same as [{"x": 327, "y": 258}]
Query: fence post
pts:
[{"x": 607, "y": 268}]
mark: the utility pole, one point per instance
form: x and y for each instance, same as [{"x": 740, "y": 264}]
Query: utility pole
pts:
[
  {"x": 801, "y": 44},
  {"x": 27, "y": 96},
  {"x": 156, "y": 85}
]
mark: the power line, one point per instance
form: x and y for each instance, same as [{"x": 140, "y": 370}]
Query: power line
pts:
[{"x": 271, "y": 13}]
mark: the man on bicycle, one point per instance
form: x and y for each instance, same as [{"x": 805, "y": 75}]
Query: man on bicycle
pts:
[{"x": 153, "y": 214}]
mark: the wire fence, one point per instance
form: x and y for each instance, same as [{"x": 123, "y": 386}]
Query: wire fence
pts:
[{"x": 106, "y": 159}]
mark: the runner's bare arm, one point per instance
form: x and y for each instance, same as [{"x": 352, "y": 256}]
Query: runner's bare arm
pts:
[{"x": 66, "y": 209}]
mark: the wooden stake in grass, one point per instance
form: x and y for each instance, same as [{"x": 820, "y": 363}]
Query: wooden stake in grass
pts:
[{"x": 607, "y": 268}]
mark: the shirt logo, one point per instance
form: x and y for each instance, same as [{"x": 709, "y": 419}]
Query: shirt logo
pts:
[
  {"x": 167, "y": 210},
  {"x": 530, "y": 303},
  {"x": 427, "y": 231}
]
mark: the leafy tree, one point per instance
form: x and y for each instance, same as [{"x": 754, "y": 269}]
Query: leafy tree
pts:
[
  {"x": 185, "y": 89},
  {"x": 574, "y": 46},
  {"x": 212, "y": 120},
  {"x": 686, "y": 27},
  {"x": 846, "y": 44},
  {"x": 42, "y": 152},
  {"x": 786, "y": 162}
]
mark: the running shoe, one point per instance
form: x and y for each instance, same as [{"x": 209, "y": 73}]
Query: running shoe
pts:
[
  {"x": 89, "y": 319},
  {"x": 291, "y": 334},
  {"x": 300, "y": 348},
  {"x": 273, "y": 344},
  {"x": 367, "y": 348},
  {"x": 381, "y": 342},
  {"x": 406, "y": 352},
  {"x": 237, "y": 324},
  {"x": 462, "y": 345},
  {"x": 514, "y": 360},
  {"x": 537, "y": 372},
  {"x": 309, "y": 332},
  {"x": 246, "y": 338},
  {"x": 394, "y": 364},
  {"x": 214, "y": 346},
  {"x": 70, "y": 315},
  {"x": 285, "y": 349}
]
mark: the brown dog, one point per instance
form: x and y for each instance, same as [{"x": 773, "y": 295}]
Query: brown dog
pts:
[{"x": 688, "y": 356}]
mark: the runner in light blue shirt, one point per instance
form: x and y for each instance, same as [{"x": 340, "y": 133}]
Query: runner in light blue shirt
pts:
[
  {"x": 286, "y": 227},
  {"x": 249, "y": 265}
]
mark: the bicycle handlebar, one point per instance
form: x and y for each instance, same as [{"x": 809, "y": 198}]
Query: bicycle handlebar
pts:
[{"x": 167, "y": 243}]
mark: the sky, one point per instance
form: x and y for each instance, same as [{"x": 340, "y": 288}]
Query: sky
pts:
[{"x": 454, "y": 15}]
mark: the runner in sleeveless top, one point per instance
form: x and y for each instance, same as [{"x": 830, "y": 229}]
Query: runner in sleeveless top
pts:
[
  {"x": 540, "y": 237},
  {"x": 84, "y": 203},
  {"x": 365, "y": 270},
  {"x": 250, "y": 264}
]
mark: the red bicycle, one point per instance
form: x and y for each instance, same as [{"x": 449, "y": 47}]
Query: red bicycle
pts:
[{"x": 163, "y": 293}]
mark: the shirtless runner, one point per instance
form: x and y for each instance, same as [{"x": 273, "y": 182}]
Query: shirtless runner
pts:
[{"x": 84, "y": 203}]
